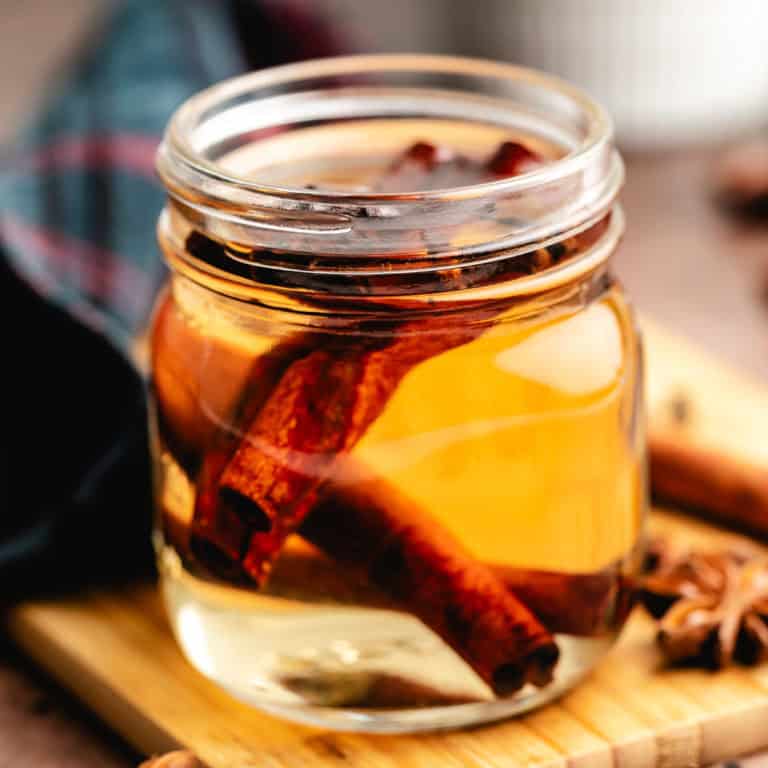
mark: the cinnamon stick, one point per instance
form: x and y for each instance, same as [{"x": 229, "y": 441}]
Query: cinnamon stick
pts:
[
  {"x": 724, "y": 488},
  {"x": 222, "y": 529},
  {"x": 585, "y": 604},
  {"x": 377, "y": 531},
  {"x": 319, "y": 410},
  {"x": 187, "y": 422},
  {"x": 422, "y": 568}
]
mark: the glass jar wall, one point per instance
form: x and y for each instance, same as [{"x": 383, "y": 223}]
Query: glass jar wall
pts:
[{"x": 397, "y": 421}]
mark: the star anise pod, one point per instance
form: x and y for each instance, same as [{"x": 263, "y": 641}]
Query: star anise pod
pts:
[{"x": 712, "y": 607}]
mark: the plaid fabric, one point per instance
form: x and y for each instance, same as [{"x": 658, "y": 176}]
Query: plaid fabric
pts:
[
  {"x": 80, "y": 268},
  {"x": 79, "y": 197}
]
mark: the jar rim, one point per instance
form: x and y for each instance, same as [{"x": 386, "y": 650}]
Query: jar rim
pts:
[
  {"x": 543, "y": 202},
  {"x": 181, "y": 125}
]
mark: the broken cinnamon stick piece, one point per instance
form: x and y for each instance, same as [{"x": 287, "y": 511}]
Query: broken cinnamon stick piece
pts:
[{"x": 377, "y": 531}]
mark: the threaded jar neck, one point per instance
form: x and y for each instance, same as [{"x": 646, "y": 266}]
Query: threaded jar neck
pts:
[{"x": 233, "y": 156}]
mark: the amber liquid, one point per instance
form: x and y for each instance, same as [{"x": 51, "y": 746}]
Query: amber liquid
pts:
[
  {"x": 528, "y": 460},
  {"x": 522, "y": 443}
]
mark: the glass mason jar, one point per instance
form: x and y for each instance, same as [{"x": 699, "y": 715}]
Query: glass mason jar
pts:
[{"x": 397, "y": 414}]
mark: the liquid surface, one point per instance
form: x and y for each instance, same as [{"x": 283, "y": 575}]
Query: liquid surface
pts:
[{"x": 357, "y": 154}]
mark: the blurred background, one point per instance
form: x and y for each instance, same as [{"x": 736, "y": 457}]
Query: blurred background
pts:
[
  {"x": 686, "y": 82},
  {"x": 670, "y": 71}
]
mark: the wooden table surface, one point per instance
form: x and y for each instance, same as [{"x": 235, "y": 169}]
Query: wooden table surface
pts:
[{"x": 685, "y": 263}]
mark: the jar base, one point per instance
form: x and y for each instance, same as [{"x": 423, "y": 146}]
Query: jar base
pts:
[{"x": 342, "y": 667}]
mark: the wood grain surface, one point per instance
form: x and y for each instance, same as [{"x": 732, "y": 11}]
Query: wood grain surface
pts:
[{"x": 115, "y": 651}]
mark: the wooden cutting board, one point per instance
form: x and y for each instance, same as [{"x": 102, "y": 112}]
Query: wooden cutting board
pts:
[{"x": 115, "y": 651}]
